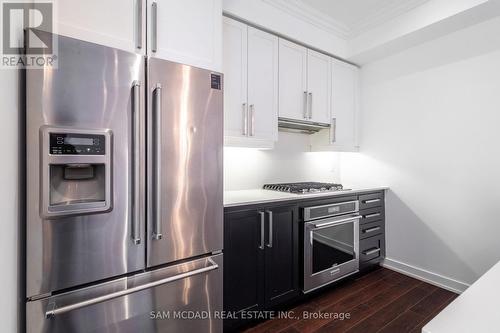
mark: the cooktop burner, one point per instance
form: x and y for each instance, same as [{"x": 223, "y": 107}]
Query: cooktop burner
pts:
[{"x": 305, "y": 187}]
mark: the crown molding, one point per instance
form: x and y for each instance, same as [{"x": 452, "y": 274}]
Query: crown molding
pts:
[
  {"x": 311, "y": 15},
  {"x": 384, "y": 14},
  {"x": 308, "y": 14}
]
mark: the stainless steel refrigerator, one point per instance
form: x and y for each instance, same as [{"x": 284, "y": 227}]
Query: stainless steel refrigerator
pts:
[{"x": 124, "y": 194}]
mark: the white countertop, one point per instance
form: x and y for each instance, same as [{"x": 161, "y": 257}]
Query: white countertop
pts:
[
  {"x": 475, "y": 310},
  {"x": 260, "y": 196}
]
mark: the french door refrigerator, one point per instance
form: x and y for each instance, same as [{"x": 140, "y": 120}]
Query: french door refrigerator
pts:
[{"x": 124, "y": 193}]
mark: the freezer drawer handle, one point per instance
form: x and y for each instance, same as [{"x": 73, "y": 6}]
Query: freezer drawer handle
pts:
[
  {"x": 157, "y": 235},
  {"x": 136, "y": 169},
  {"x": 58, "y": 311}
]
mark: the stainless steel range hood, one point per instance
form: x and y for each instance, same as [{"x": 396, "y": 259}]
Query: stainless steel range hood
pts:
[{"x": 301, "y": 126}]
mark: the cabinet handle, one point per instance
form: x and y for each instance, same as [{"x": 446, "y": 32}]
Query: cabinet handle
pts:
[
  {"x": 252, "y": 120},
  {"x": 270, "y": 215},
  {"x": 371, "y": 251},
  {"x": 305, "y": 104},
  {"x": 245, "y": 119},
  {"x": 262, "y": 218},
  {"x": 154, "y": 27},
  {"x": 157, "y": 235},
  {"x": 367, "y": 231},
  {"x": 139, "y": 24},
  {"x": 371, "y": 201},
  {"x": 310, "y": 105},
  {"x": 136, "y": 226},
  {"x": 334, "y": 130},
  {"x": 371, "y": 215}
]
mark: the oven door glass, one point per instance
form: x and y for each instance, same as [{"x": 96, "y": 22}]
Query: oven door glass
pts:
[{"x": 332, "y": 246}]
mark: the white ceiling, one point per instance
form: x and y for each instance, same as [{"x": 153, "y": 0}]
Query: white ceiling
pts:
[{"x": 354, "y": 16}]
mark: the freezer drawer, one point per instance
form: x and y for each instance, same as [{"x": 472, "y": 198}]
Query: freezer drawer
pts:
[{"x": 159, "y": 301}]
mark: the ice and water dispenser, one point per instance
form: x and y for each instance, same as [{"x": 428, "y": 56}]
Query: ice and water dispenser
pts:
[{"x": 76, "y": 171}]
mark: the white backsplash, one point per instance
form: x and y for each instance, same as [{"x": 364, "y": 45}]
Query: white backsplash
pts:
[{"x": 289, "y": 161}]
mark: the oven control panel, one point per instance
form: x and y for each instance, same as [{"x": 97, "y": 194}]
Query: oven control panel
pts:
[{"x": 77, "y": 144}]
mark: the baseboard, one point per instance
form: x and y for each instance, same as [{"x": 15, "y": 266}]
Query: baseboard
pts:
[{"x": 426, "y": 276}]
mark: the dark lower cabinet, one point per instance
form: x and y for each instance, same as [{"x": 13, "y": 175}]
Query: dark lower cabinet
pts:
[
  {"x": 260, "y": 258},
  {"x": 243, "y": 261},
  {"x": 281, "y": 255},
  {"x": 371, "y": 230}
]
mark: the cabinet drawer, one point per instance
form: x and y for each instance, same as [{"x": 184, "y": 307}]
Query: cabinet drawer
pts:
[
  {"x": 371, "y": 200},
  {"x": 371, "y": 248},
  {"x": 371, "y": 229},
  {"x": 372, "y": 215}
]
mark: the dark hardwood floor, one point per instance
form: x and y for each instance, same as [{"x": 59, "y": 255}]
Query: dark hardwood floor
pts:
[{"x": 381, "y": 301}]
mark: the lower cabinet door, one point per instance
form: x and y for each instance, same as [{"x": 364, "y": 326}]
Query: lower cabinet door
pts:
[
  {"x": 244, "y": 260},
  {"x": 281, "y": 255}
]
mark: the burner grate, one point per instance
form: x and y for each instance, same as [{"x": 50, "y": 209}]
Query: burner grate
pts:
[{"x": 304, "y": 187}]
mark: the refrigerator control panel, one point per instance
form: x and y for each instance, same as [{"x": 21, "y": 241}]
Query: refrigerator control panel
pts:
[{"x": 77, "y": 144}]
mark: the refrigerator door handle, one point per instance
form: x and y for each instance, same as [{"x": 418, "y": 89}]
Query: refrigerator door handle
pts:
[
  {"x": 136, "y": 227},
  {"x": 157, "y": 235},
  {"x": 53, "y": 311}
]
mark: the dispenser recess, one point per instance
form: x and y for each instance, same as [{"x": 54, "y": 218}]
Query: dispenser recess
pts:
[{"x": 76, "y": 171}]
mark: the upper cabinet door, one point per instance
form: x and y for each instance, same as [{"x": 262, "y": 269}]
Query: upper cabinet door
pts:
[
  {"x": 235, "y": 78},
  {"x": 262, "y": 84},
  {"x": 292, "y": 80},
  {"x": 319, "y": 87},
  {"x": 113, "y": 23},
  {"x": 344, "y": 99},
  {"x": 187, "y": 31}
]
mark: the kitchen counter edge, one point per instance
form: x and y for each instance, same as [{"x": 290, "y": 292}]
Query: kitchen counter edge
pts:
[{"x": 238, "y": 198}]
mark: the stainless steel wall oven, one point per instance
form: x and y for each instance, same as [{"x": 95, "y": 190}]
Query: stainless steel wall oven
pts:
[{"x": 331, "y": 243}]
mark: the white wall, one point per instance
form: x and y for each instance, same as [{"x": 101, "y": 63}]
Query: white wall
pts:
[
  {"x": 261, "y": 13},
  {"x": 288, "y": 162},
  {"x": 430, "y": 131},
  {"x": 9, "y": 199}
]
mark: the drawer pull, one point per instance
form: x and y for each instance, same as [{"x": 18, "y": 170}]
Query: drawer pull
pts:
[
  {"x": 371, "y": 201},
  {"x": 369, "y": 216},
  {"x": 371, "y": 251},
  {"x": 367, "y": 231}
]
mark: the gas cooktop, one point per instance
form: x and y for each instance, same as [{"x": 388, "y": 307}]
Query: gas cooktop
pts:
[{"x": 305, "y": 187}]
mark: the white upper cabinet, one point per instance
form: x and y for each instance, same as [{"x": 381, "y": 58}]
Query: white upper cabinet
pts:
[
  {"x": 343, "y": 133},
  {"x": 235, "y": 78},
  {"x": 292, "y": 81},
  {"x": 250, "y": 67},
  {"x": 305, "y": 83},
  {"x": 319, "y": 86},
  {"x": 115, "y": 23},
  {"x": 344, "y": 113},
  {"x": 187, "y": 31},
  {"x": 263, "y": 84}
]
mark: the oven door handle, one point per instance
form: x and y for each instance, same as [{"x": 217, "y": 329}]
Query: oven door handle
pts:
[{"x": 336, "y": 221}]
